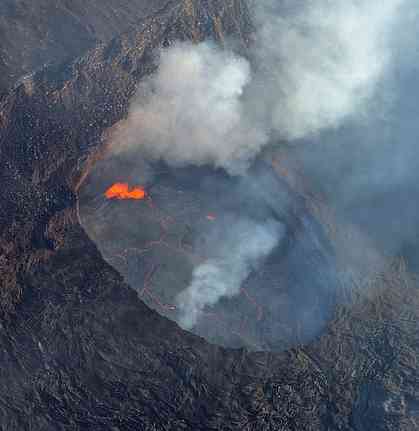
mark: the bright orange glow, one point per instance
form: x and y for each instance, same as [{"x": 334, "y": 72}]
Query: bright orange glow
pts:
[{"x": 122, "y": 191}]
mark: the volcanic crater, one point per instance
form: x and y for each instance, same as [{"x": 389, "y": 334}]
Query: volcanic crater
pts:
[{"x": 156, "y": 239}]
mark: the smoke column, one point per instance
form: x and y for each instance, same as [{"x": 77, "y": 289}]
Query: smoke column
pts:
[
  {"x": 247, "y": 243},
  {"x": 314, "y": 66},
  {"x": 190, "y": 112}
]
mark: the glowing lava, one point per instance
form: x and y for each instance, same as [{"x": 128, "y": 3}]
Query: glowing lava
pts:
[{"x": 122, "y": 191}]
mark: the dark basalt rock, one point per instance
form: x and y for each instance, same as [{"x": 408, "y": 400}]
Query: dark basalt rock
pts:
[
  {"x": 80, "y": 350},
  {"x": 52, "y": 31}
]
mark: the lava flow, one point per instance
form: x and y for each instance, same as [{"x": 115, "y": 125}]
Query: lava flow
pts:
[{"x": 122, "y": 191}]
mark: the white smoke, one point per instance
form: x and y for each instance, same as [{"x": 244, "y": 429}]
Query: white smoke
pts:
[
  {"x": 243, "y": 248},
  {"x": 190, "y": 111},
  {"x": 321, "y": 62},
  {"x": 315, "y": 66}
]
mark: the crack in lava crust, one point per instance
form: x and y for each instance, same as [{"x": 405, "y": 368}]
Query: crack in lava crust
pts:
[{"x": 156, "y": 243}]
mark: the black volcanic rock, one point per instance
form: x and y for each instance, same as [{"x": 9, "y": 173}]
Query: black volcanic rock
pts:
[
  {"x": 34, "y": 33},
  {"x": 80, "y": 350}
]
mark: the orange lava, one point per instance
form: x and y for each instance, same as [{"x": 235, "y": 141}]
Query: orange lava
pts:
[{"x": 122, "y": 191}]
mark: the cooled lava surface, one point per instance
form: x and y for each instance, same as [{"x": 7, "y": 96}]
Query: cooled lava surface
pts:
[{"x": 156, "y": 234}]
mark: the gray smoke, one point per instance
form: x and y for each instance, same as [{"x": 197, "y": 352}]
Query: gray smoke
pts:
[
  {"x": 321, "y": 62},
  {"x": 312, "y": 68},
  {"x": 190, "y": 112},
  {"x": 369, "y": 169},
  {"x": 316, "y": 65},
  {"x": 244, "y": 246}
]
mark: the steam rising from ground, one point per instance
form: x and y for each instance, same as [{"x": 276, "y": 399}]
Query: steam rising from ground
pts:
[
  {"x": 190, "y": 111},
  {"x": 247, "y": 243},
  {"x": 313, "y": 67}
]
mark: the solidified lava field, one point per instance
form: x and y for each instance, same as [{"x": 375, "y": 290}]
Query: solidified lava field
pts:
[{"x": 157, "y": 240}]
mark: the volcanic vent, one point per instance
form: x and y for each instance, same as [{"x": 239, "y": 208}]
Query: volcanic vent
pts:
[{"x": 264, "y": 267}]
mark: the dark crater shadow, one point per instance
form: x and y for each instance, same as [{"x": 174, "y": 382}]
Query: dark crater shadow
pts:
[{"x": 156, "y": 243}]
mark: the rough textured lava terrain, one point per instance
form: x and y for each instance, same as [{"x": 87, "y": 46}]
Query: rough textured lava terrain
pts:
[
  {"x": 79, "y": 347},
  {"x": 42, "y": 32}
]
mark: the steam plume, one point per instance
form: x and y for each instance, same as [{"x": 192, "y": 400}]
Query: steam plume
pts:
[
  {"x": 246, "y": 245},
  {"x": 321, "y": 61},
  {"x": 190, "y": 111},
  {"x": 317, "y": 64},
  {"x": 314, "y": 66}
]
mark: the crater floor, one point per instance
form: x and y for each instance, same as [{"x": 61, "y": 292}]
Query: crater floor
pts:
[{"x": 157, "y": 242}]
